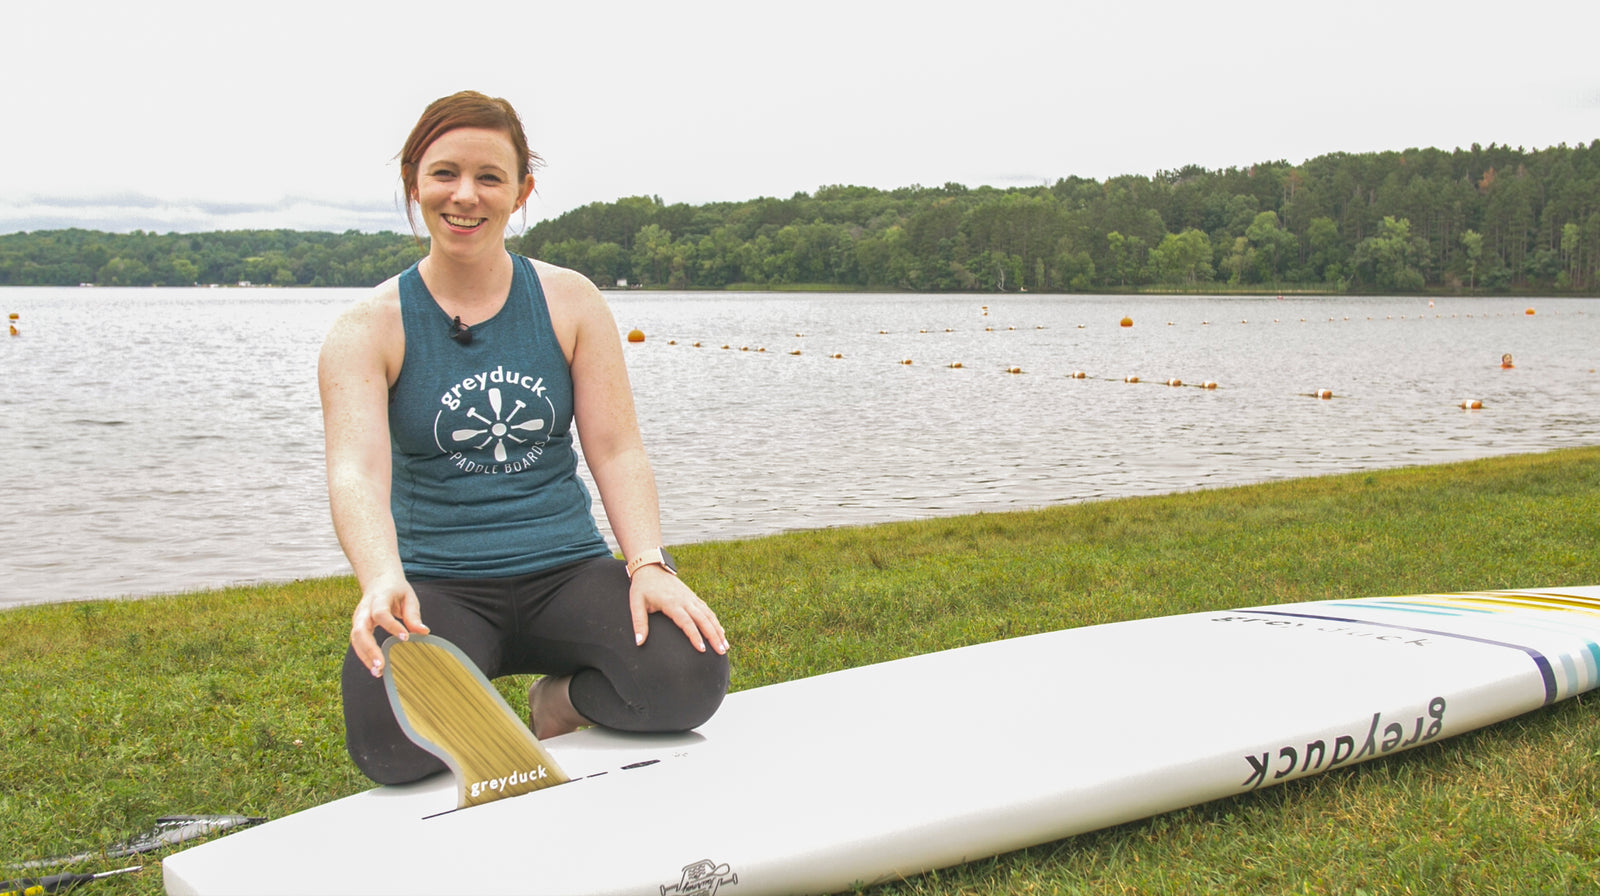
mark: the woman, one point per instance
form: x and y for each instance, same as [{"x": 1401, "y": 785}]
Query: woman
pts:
[{"x": 448, "y": 399}]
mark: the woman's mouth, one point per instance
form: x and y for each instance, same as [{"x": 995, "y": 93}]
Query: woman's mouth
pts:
[{"x": 460, "y": 223}]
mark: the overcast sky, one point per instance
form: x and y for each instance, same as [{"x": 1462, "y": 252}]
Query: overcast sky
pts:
[{"x": 169, "y": 115}]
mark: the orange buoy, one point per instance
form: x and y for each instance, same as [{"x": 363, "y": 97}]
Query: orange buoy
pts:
[
  {"x": 838, "y": 354},
  {"x": 15, "y": 331},
  {"x": 1324, "y": 393},
  {"x": 1208, "y": 384},
  {"x": 635, "y": 335},
  {"x": 14, "y": 316},
  {"x": 795, "y": 352},
  {"x": 1472, "y": 404},
  {"x": 1130, "y": 379},
  {"x": 906, "y": 362},
  {"x": 1505, "y": 361},
  {"x": 1174, "y": 382},
  {"x": 1013, "y": 370},
  {"x": 672, "y": 342},
  {"x": 1529, "y": 312},
  {"x": 1127, "y": 321},
  {"x": 955, "y": 365},
  {"x": 1078, "y": 375}
]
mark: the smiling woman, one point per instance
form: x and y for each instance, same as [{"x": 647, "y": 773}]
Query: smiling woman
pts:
[
  {"x": 452, "y": 396},
  {"x": 466, "y": 111}
]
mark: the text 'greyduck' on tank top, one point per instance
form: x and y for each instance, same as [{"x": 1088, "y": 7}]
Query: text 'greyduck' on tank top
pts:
[{"x": 485, "y": 480}]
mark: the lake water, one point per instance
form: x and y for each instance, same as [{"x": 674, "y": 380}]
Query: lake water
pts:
[{"x": 157, "y": 440}]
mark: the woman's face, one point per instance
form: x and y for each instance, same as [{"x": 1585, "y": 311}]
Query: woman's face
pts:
[{"x": 467, "y": 189}]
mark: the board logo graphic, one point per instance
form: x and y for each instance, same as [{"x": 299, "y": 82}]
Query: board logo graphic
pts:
[
  {"x": 507, "y": 782},
  {"x": 1422, "y": 728},
  {"x": 494, "y": 422},
  {"x": 702, "y": 877}
]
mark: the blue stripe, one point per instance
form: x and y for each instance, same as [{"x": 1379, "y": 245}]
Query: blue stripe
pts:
[{"x": 1546, "y": 671}]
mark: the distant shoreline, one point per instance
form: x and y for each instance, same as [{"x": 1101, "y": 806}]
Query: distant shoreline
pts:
[{"x": 1211, "y": 290}]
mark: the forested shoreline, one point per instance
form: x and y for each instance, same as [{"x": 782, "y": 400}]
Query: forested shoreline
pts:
[{"x": 1487, "y": 220}]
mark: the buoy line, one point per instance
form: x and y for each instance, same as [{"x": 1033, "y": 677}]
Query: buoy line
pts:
[
  {"x": 1471, "y": 404},
  {"x": 637, "y": 336}
]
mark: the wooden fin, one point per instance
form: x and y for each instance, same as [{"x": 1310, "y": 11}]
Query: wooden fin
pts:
[{"x": 446, "y": 705}]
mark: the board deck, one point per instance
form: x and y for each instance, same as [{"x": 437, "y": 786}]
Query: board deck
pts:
[{"x": 876, "y": 773}]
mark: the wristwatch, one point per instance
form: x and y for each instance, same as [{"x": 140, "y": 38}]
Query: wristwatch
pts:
[{"x": 658, "y": 556}]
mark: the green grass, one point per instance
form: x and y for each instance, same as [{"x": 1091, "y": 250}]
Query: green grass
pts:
[{"x": 113, "y": 713}]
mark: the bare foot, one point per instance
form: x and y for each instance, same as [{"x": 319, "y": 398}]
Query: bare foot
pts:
[{"x": 550, "y": 711}]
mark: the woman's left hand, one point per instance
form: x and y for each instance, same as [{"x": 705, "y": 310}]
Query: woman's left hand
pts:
[{"x": 654, "y": 590}]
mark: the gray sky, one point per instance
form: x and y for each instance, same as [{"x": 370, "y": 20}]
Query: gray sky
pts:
[{"x": 170, "y": 115}]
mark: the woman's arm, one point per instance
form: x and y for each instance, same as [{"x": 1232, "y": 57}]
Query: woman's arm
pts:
[
  {"x": 359, "y": 360},
  {"x": 614, "y": 450}
]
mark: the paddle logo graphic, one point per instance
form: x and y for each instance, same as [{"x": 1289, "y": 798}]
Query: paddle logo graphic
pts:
[
  {"x": 702, "y": 877},
  {"x": 496, "y": 421}
]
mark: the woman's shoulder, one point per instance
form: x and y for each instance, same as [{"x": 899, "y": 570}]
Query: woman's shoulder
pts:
[
  {"x": 566, "y": 291},
  {"x": 570, "y": 283},
  {"x": 374, "y": 315},
  {"x": 577, "y": 309}
]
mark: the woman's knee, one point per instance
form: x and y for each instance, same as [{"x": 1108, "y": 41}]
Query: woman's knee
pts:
[
  {"x": 687, "y": 685},
  {"x": 704, "y": 690}
]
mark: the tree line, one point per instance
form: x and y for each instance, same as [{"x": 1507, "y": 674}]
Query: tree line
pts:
[
  {"x": 1492, "y": 219},
  {"x": 258, "y": 257}
]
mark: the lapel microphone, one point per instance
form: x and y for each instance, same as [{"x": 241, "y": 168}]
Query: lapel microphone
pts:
[{"x": 460, "y": 332}]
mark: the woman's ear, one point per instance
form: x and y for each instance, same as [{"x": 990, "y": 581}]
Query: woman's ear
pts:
[{"x": 527, "y": 190}]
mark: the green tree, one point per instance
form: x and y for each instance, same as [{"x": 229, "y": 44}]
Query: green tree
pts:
[
  {"x": 1570, "y": 256},
  {"x": 1392, "y": 259},
  {"x": 1472, "y": 243},
  {"x": 121, "y": 271},
  {"x": 1183, "y": 258},
  {"x": 1125, "y": 255},
  {"x": 652, "y": 255},
  {"x": 1273, "y": 246}
]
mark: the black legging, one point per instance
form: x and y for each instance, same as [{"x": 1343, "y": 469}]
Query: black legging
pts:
[{"x": 573, "y": 620}]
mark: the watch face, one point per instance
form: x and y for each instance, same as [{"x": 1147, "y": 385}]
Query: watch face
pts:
[{"x": 668, "y": 562}]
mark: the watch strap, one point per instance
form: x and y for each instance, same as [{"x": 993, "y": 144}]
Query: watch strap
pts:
[{"x": 658, "y": 556}]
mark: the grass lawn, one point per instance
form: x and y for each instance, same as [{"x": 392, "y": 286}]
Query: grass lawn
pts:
[{"x": 115, "y": 712}]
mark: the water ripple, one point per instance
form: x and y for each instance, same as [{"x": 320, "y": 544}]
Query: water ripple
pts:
[{"x": 189, "y": 463}]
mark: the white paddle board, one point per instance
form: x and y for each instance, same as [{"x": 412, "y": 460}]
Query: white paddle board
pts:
[{"x": 888, "y": 770}]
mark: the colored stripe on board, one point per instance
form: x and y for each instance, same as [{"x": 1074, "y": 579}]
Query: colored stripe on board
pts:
[
  {"x": 1546, "y": 671},
  {"x": 1573, "y": 615}
]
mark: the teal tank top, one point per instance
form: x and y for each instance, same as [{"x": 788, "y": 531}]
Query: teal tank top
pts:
[{"x": 485, "y": 477}]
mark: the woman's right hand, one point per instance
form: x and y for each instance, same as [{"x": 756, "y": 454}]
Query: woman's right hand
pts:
[{"x": 390, "y": 604}]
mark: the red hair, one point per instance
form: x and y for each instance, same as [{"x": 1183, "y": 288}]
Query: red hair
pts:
[{"x": 467, "y": 109}]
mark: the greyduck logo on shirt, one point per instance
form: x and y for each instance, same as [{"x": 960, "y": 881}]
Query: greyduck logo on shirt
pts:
[{"x": 497, "y": 421}]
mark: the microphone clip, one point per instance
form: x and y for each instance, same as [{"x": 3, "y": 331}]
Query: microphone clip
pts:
[{"x": 460, "y": 332}]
